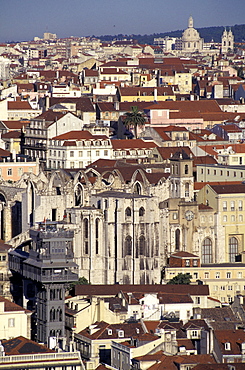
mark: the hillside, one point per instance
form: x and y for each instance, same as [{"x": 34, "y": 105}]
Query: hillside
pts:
[{"x": 208, "y": 33}]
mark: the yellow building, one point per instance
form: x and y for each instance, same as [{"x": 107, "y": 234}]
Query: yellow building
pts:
[
  {"x": 147, "y": 94},
  {"x": 225, "y": 280},
  {"x": 15, "y": 320},
  {"x": 228, "y": 201}
]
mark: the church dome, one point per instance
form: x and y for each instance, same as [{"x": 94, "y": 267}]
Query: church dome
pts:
[{"x": 190, "y": 34}]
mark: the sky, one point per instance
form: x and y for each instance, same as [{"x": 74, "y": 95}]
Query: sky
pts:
[{"x": 22, "y": 20}]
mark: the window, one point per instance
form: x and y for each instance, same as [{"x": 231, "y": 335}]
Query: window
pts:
[
  {"x": 128, "y": 212},
  {"x": 224, "y": 218},
  {"x": 239, "y": 275},
  {"x": 227, "y": 346},
  {"x": 86, "y": 233},
  {"x": 233, "y": 248},
  {"x": 175, "y": 216},
  {"x": 9, "y": 172},
  {"x": 217, "y": 275},
  {"x": 232, "y": 205},
  {"x": 80, "y": 153},
  {"x": 11, "y": 323},
  {"x": 224, "y": 206},
  {"x": 97, "y": 236},
  {"x": 71, "y": 153},
  {"x": 97, "y": 153},
  {"x": 206, "y": 275},
  {"x": 187, "y": 263},
  {"x": 195, "y": 263},
  {"x": 229, "y": 287},
  {"x": 186, "y": 169},
  {"x": 197, "y": 300},
  {"x": 141, "y": 211},
  {"x": 177, "y": 239},
  {"x": 142, "y": 245},
  {"x": 232, "y": 218},
  {"x": 240, "y": 205},
  {"x": 187, "y": 193},
  {"x": 127, "y": 246},
  {"x": 207, "y": 251},
  {"x": 228, "y": 275},
  {"x": 105, "y": 152}
]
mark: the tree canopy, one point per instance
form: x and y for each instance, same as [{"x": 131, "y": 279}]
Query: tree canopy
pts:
[
  {"x": 180, "y": 279},
  {"x": 135, "y": 118}
]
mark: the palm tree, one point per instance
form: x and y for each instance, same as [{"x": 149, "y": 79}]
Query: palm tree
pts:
[{"x": 135, "y": 118}]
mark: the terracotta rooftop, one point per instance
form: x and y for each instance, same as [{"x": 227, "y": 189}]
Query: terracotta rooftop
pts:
[
  {"x": 19, "y": 105},
  {"x": 23, "y": 346},
  {"x": 11, "y": 306},
  {"x": 111, "y": 290}
]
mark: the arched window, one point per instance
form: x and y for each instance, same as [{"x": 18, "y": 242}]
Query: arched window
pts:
[
  {"x": 141, "y": 211},
  {"x": 186, "y": 169},
  {"x": 207, "y": 255},
  {"x": 177, "y": 239},
  {"x": 97, "y": 236},
  {"x": 78, "y": 195},
  {"x": 128, "y": 212},
  {"x": 187, "y": 190},
  {"x": 142, "y": 245},
  {"x": 233, "y": 249},
  {"x": 85, "y": 228},
  {"x": 52, "y": 314},
  {"x": 137, "y": 188},
  {"x": 128, "y": 246}
]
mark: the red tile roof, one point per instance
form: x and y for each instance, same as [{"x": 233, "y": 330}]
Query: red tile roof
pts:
[
  {"x": 23, "y": 346},
  {"x": 132, "y": 144},
  {"x": 19, "y": 105}
]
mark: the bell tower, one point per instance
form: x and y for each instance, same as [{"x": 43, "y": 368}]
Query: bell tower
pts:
[
  {"x": 181, "y": 175},
  {"x": 227, "y": 41}
]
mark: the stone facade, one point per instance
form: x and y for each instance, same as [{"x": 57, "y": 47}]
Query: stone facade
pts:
[{"x": 127, "y": 219}]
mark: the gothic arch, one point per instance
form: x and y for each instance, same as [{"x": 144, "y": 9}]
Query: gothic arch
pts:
[
  {"x": 233, "y": 248},
  {"x": 78, "y": 194},
  {"x": 128, "y": 212},
  {"x": 177, "y": 239},
  {"x": 56, "y": 183},
  {"x": 142, "y": 246},
  {"x": 137, "y": 188},
  {"x": 207, "y": 251},
  {"x": 30, "y": 203},
  {"x": 127, "y": 250}
]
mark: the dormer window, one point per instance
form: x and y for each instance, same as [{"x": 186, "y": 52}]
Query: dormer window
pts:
[
  {"x": 227, "y": 346},
  {"x": 120, "y": 333},
  {"x": 109, "y": 331}
]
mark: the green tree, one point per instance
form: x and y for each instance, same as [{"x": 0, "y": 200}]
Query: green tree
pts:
[
  {"x": 135, "y": 118},
  {"x": 80, "y": 281},
  {"x": 180, "y": 279}
]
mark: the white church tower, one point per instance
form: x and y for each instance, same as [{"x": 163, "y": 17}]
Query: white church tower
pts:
[{"x": 227, "y": 41}]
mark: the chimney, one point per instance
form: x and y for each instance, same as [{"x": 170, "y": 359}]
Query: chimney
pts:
[
  {"x": 155, "y": 94},
  {"x": 116, "y": 105}
]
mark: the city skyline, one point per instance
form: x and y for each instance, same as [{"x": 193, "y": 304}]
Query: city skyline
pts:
[{"x": 24, "y": 20}]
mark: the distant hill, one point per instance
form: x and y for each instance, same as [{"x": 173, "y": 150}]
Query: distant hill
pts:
[{"x": 208, "y": 33}]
